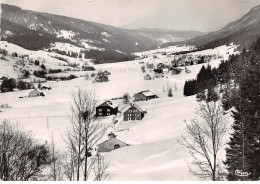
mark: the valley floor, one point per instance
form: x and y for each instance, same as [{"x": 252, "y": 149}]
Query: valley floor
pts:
[{"x": 154, "y": 153}]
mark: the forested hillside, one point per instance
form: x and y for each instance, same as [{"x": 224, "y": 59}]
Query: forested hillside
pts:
[{"x": 237, "y": 84}]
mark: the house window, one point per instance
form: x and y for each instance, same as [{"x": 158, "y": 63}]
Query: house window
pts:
[
  {"x": 108, "y": 114},
  {"x": 129, "y": 114},
  {"x": 116, "y": 146},
  {"x": 100, "y": 110},
  {"x": 100, "y": 114},
  {"x": 108, "y": 110}
]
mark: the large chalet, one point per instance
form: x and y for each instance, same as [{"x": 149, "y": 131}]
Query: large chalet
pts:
[
  {"x": 106, "y": 109},
  {"x": 134, "y": 112},
  {"x": 144, "y": 96}
]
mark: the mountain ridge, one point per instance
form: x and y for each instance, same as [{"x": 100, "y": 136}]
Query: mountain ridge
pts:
[
  {"x": 242, "y": 31},
  {"x": 79, "y": 31}
]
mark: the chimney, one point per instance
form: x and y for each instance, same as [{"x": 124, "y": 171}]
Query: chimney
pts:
[{"x": 111, "y": 135}]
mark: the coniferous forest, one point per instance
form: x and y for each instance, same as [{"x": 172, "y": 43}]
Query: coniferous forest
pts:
[{"x": 238, "y": 83}]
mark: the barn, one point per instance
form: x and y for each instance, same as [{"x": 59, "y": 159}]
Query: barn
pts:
[
  {"x": 111, "y": 144},
  {"x": 101, "y": 78},
  {"x": 106, "y": 109},
  {"x": 134, "y": 112},
  {"x": 35, "y": 93},
  {"x": 147, "y": 77},
  {"x": 176, "y": 71},
  {"x": 145, "y": 95}
]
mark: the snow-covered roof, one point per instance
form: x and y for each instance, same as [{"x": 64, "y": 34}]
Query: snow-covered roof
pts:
[
  {"x": 148, "y": 93},
  {"x": 112, "y": 139},
  {"x": 136, "y": 106},
  {"x": 35, "y": 90},
  {"x": 108, "y": 103}
]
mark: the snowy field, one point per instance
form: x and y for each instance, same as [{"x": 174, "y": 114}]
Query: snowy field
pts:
[{"x": 154, "y": 153}]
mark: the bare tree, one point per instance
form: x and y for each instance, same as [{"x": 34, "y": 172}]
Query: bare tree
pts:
[
  {"x": 100, "y": 168},
  {"x": 204, "y": 140},
  {"x": 22, "y": 158},
  {"x": 85, "y": 130},
  {"x": 69, "y": 165},
  {"x": 126, "y": 98},
  {"x": 56, "y": 172}
]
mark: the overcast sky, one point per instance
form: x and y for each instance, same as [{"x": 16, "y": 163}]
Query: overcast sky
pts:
[{"x": 201, "y": 15}]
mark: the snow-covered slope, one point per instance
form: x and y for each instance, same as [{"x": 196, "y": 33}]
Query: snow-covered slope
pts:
[
  {"x": 154, "y": 153},
  {"x": 13, "y": 66}
]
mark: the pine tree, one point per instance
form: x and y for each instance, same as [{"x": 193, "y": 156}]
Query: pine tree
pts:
[
  {"x": 190, "y": 88},
  {"x": 170, "y": 92},
  {"x": 244, "y": 146}
]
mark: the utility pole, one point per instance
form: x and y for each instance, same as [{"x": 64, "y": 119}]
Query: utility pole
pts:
[
  {"x": 53, "y": 157},
  {"x": 48, "y": 123}
]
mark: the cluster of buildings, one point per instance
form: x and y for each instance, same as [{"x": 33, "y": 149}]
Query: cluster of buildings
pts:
[
  {"x": 102, "y": 76},
  {"x": 132, "y": 113}
]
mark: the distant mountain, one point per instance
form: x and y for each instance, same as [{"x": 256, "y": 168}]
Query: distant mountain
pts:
[
  {"x": 168, "y": 35},
  {"x": 35, "y": 30},
  {"x": 243, "y": 31}
]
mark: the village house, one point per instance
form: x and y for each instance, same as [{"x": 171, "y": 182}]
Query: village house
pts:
[
  {"x": 195, "y": 61},
  {"x": 106, "y": 73},
  {"x": 101, "y": 78},
  {"x": 187, "y": 70},
  {"x": 187, "y": 63},
  {"x": 111, "y": 144},
  {"x": 76, "y": 69},
  {"x": 160, "y": 65},
  {"x": 134, "y": 112},
  {"x": 35, "y": 93},
  {"x": 165, "y": 70},
  {"x": 4, "y": 106},
  {"x": 147, "y": 77},
  {"x": 44, "y": 88},
  {"x": 106, "y": 109},
  {"x": 26, "y": 57},
  {"x": 175, "y": 71},
  {"x": 145, "y": 95},
  {"x": 52, "y": 44}
]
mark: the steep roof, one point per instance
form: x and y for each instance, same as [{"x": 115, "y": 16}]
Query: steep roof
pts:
[
  {"x": 35, "y": 90},
  {"x": 108, "y": 103},
  {"x": 136, "y": 106},
  {"x": 44, "y": 87},
  {"x": 112, "y": 139}
]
